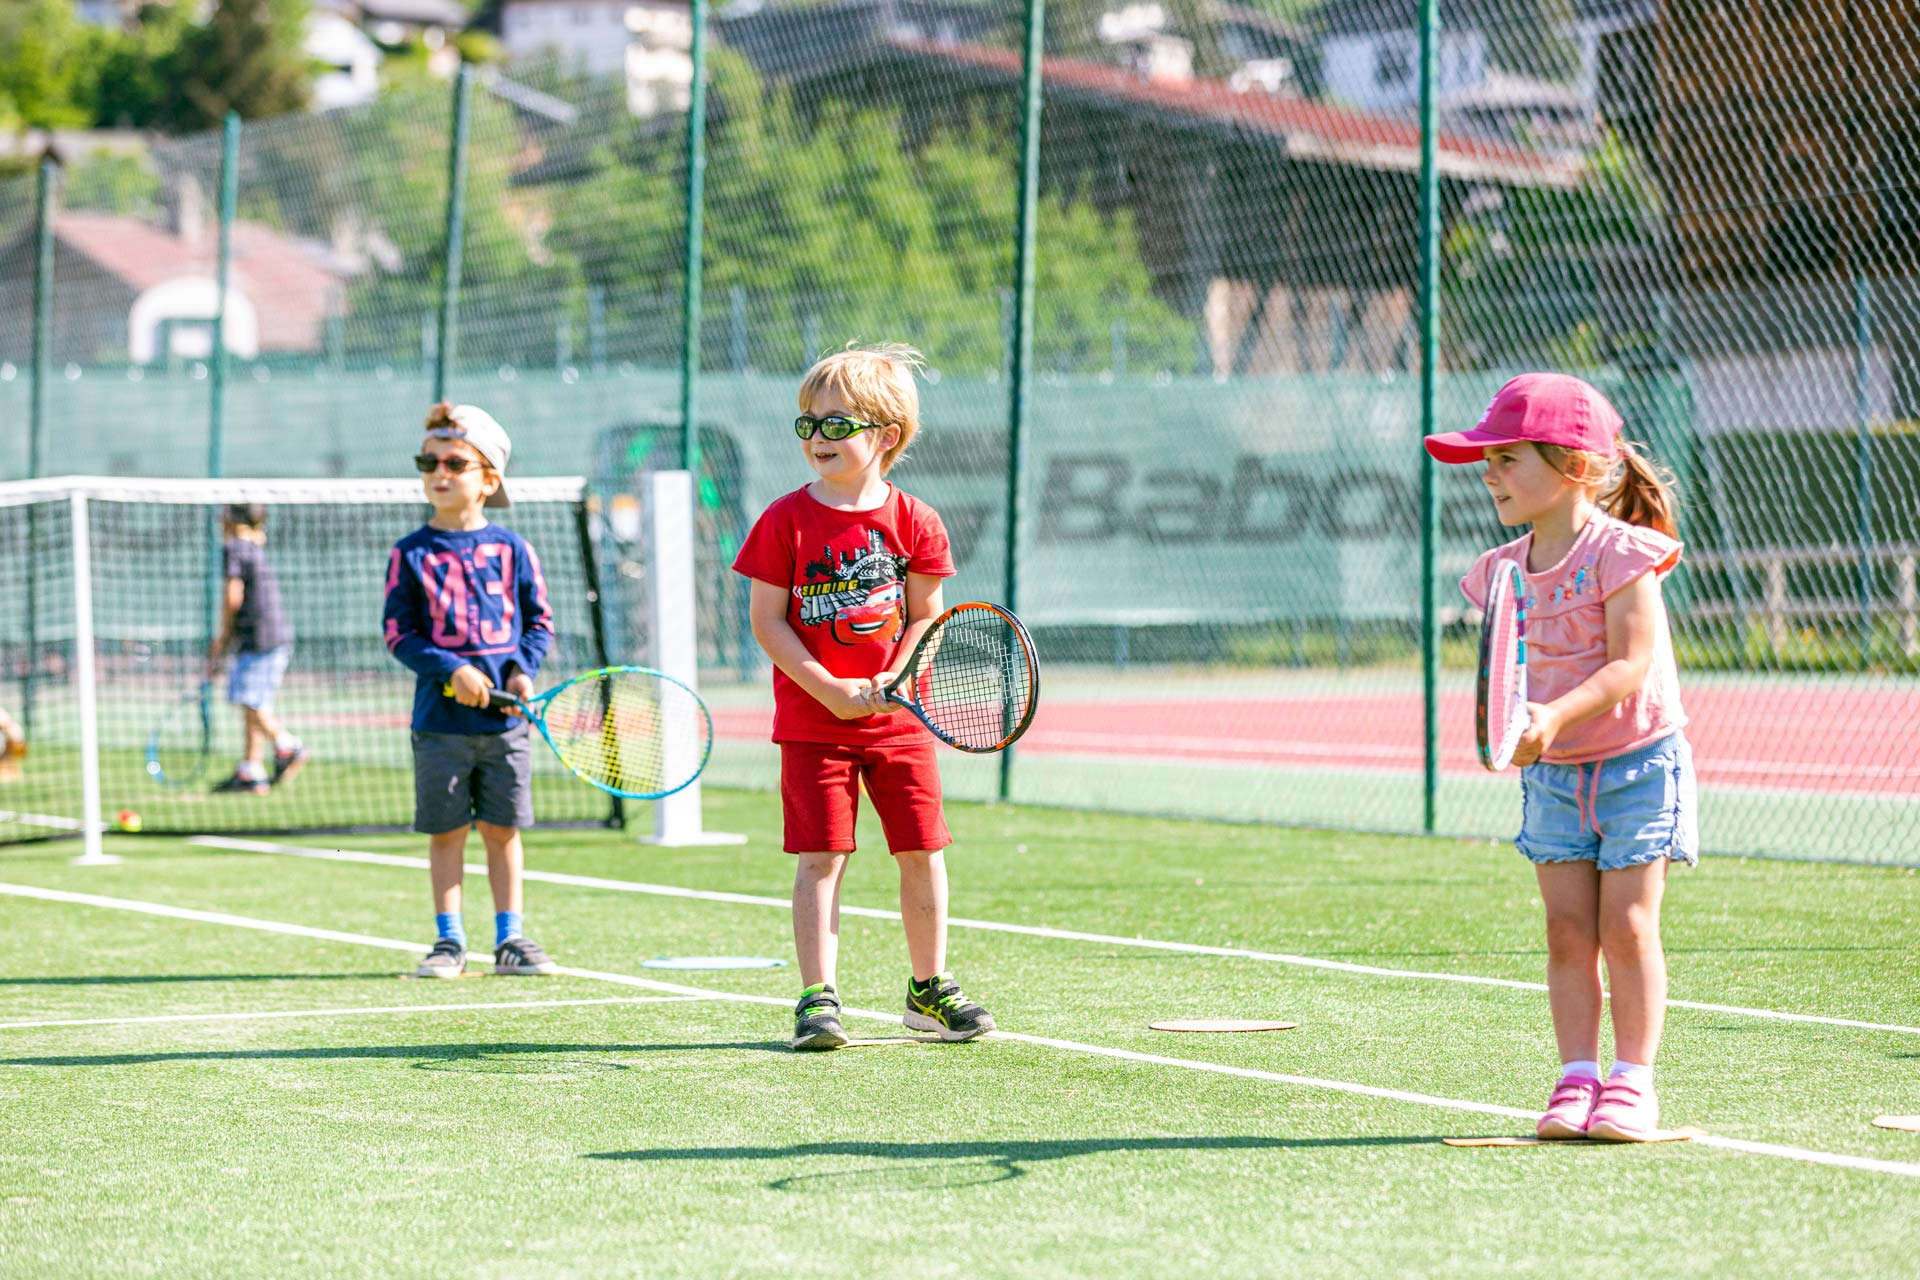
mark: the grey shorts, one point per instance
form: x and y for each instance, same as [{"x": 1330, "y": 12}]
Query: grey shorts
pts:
[{"x": 459, "y": 778}]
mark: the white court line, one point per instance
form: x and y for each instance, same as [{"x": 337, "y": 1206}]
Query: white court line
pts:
[
  {"x": 1863, "y": 1164},
  {"x": 1027, "y": 930},
  {"x": 336, "y": 1013}
]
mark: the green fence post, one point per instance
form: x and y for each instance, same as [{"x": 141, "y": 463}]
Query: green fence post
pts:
[
  {"x": 456, "y": 232},
  {"x": 1021, "y": 356},
  {"x": 43, "y": 215},
  {"x": 1429, "y": 360},
  {"x": 223, "y": 267},
  {"x": 42, "y": 316},
  {"x": 217, "y": 366},
  {"x": 696, "y": 202},
  {"x": 1863, "y": 410}
]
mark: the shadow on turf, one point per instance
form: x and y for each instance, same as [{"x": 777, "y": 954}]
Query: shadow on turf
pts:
[
  {"x": 136, "y": 978},
  {"x": 479, "y": 1058},
  {"x": 1008, "y": 1158}
]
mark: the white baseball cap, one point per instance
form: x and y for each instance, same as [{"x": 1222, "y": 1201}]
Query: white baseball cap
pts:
[{"x": 477, "y": 427}]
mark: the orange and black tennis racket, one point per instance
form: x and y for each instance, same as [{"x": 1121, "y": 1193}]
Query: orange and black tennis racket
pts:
[{"x": 974, "y": 678}]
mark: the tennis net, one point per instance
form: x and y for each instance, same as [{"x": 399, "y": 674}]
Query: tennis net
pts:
[{"x": 103, "y": 642}]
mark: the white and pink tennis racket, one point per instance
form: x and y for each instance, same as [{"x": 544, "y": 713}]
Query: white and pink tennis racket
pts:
[{"x": 1500, "y": 714}]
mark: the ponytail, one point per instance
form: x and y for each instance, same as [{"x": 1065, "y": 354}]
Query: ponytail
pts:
[
  {"x": 1643, "y": 493},
  {"x": 1632, "y": 487}
]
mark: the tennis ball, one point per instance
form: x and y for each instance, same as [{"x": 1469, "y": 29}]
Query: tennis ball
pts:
[{"x": 127, "y": 820}]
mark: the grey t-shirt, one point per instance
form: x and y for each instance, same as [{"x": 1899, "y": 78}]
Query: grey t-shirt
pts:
[{"x": 261, "y": 622}]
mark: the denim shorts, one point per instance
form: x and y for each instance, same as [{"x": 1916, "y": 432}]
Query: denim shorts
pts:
[
  {"x": 461, "y": 777},
  {"x": 255, "y": 677},
  {"x": 1623, "y": 812}
]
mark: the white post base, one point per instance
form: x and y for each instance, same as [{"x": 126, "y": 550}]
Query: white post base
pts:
[{"x": 667, "y": 506}]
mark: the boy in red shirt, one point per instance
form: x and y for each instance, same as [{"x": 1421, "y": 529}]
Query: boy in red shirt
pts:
[{"x": 846, "y": 579}]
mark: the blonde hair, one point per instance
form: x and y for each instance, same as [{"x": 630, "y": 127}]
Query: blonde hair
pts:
[
  {"x": 1632, "y": 486},
  {"x": 877, "y": 384}
]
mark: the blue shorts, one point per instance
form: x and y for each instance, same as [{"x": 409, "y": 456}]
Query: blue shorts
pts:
[
  {"x": 1623, "y": 812},
  {"x": 255, "y": 677}
]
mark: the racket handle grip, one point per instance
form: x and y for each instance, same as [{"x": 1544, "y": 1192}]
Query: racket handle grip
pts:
[{"x": 497, "y": 700}]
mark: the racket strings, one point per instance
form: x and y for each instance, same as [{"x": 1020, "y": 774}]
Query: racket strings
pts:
[
  {"x": 629, "y": 731},
  {"x": 1503, "y": 712},
  {"x": 976, "y": 681}
]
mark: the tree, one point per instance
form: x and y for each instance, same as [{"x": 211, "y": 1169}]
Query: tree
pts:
[
  {"x": 838, "y": 226},
  {"x": 50, "y": 65},
  {"x": 246, "y": 59}
]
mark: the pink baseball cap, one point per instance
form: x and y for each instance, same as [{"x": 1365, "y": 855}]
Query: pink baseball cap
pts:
[{"x": 1547, "y": 408}]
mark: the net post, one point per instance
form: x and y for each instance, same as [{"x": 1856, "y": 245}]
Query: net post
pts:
[
  {"x": 667, "y": 501},
  {"x": 596, "y": 610},
  {"x": 91, "y": 825}
]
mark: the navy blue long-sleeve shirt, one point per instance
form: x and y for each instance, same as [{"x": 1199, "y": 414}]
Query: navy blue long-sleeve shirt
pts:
[{"x": 460, "y": 597}]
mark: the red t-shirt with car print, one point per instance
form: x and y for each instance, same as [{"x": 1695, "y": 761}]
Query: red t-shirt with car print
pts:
[{"x": 845, "y": 573}]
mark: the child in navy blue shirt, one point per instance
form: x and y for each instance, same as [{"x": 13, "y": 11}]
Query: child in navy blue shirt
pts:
[{"x": 467, "y": 613}]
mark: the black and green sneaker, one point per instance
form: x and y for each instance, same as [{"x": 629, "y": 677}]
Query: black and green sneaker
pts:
[
  {"x": 938, "y": 1004},
  {"x": 816, "y": 1020}
]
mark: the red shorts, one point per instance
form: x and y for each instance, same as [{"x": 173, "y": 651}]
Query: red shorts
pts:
[{"x": 820, "y": 795}]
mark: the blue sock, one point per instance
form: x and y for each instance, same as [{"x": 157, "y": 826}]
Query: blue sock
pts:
[
  {"x": 447, "y": 924},
  {"x": 506, "y": 924}
]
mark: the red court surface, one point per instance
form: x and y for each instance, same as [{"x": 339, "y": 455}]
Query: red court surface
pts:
[{"x": 1770, "y": 736}]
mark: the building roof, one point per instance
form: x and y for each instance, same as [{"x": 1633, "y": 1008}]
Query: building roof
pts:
[
  {"x": 291, "y": 287},
  {"x": 1311, "y": 131},
  {"x": 408, "y": 12}
]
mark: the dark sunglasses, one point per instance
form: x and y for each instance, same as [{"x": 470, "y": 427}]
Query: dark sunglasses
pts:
[
  {"x": 428, "y": 464},
  {"x": 833, "y": 427}
]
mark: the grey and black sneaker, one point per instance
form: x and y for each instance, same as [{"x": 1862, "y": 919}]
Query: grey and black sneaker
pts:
[
  {"x": 288, "y": 763},
  {"x": 242, "y": 784},
  {"x": 522, "y": 956},
  {"x": 448, "y": 959},
  {"x": 939, "y": 1005},
  {"x": 816, "y": 1021}
]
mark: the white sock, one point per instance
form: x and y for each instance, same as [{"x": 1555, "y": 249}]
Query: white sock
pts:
[
  {"x": 250, "y": 771},
  {"x": 286, "y": 744},
  {"x": 1585, "y": 1070},
  {"x": 1632, "y": 1072}
]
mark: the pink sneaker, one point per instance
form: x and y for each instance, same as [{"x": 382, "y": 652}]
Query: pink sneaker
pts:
[
  {"x": 1568, "y": 1109},
  {"x": 1624, "y": 1113}
]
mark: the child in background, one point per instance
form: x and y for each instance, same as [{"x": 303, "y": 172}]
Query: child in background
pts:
[
  {"x": 254, "y": 622},
  {"x": 467, "y": 613},
  {"x": 1607, "y": 791},
  {"x": 846, "y": 579}
]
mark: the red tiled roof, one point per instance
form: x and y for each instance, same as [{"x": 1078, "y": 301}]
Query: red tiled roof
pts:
[
  {"x": 291, "y": 293},
  {"x": 1311, "y": 130}
]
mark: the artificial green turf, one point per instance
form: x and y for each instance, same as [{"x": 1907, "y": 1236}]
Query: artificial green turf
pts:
[{"x": 681, "y": 1139}]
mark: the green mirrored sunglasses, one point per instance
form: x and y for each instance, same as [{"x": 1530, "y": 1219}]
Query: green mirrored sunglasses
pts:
[{"x": 833, "y": 426}]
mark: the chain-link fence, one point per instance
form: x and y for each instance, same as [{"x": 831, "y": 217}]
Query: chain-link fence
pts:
[{"x": 1710, "y": 211}]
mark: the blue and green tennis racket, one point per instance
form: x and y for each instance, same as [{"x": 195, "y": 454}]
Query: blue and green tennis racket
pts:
[
  {"x": 181, "y": 742},
  {"x": 633, "y": 732}
]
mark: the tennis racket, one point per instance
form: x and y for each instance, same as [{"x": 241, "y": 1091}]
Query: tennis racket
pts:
[
  {"x": 181, "y": 742},
  {"x": 633, "y": 732},
  {"x": 973, "y": 679},
  {"x": 1500, "y": 712}
]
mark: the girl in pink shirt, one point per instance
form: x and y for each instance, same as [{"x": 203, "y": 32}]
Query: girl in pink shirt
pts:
[{"x": 1607, "y": 788}]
